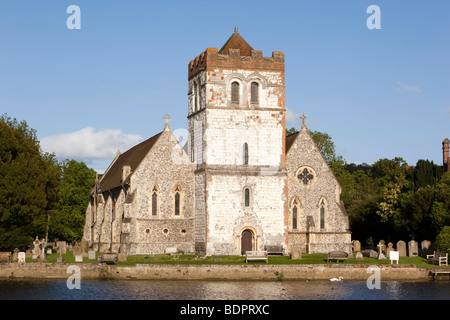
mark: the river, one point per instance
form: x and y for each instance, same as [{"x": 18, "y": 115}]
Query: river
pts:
[{"x": 22, "y": 289}]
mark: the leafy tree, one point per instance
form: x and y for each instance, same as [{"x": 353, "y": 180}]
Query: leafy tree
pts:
[
  {"x": 77, "y": 182},
  {"x": 443, "y": 240},
  {"x": 28, "y": 185},
  {"x": 425, "y": 173}
]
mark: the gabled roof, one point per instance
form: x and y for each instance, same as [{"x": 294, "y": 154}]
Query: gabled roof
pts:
[
  {"x": 290, "y": 140},
  {"x": 237, "y": 42},
  {"x": 133, "y": 157}
]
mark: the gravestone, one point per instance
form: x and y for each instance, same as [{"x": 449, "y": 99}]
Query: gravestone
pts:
[
  {"x": 426, "y": 247},
  {"x": 49, "y": 250},
  {"x": 382, "y": 246},
  {"x": 369, "y": 253},
  {"x": 389, "y": 249},
  {"x": 296, "y": 254},
  {"x": 356, "y": 246},
  {"x": 21, "y": 257},
  {"x": 381, "y": 256},
  {"x": 76, "y": 251},
  {"x": 413, "y": 248},
  {"x": 79, "y": 258},
  {"x": 59, "y": 259},
  {"x": 61, "y": 245},
  {"x": 28, "y": 254},
  {"x": 359, "y": 256},
  {"x": 91, "y": 254},
  {"x": 36, "y": 249},
  {"x": 15, "y": 255},
  {"x": 401, "y": 248},
  {"x": 122, "y": 257},
  {"x": 84, "y": 245}
]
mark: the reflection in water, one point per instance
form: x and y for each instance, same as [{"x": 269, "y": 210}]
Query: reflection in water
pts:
[{"x": 222, "y": 290}]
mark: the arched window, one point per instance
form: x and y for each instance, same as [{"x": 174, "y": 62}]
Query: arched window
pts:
[
  {"x": 177, "y": 197},
  {"x": 235, "y": 92},
  {"x": 155, "y": 192},
  {"x": 322, "y": 214},
  {"x": 245, "y": 153},
  {"x": 247, "y": 197},
  {"x": 195, "y": 108},
  {"x": 254, "y": 93},
  {"x": 295, "y": 214}
]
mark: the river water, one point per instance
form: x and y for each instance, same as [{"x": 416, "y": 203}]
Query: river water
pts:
[{"x": 21, "y": 289}]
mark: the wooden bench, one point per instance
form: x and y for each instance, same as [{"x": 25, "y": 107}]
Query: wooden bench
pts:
[
  {"x": 438, "y": 258},
  {"x": 337, "y": 256},
  {"x": 108, "y": 258},
  {"x": 256, "y": 255},
  {"x": 274, "y": 250}
]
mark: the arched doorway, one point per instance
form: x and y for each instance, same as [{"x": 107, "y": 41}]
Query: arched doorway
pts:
[{"x": 246, "y": 241}]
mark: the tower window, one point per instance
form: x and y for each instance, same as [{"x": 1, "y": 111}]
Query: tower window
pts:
[
  {"x": 235, "y": 93},
  {"x": 245, "y": 153},
  {"x": 196, "y": 96},
  {"x": 254, "y": 93},
  {"x": 247, "y": 197}
]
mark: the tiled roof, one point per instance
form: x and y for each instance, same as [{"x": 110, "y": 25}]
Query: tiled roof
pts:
[
  {"x": 290, "y": 140},
  {"x": 133, "y": 157},
  {"x": 237, "y": 42}
]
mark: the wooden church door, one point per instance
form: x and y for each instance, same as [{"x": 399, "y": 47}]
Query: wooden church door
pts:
[{"x": 246, "y": 241}]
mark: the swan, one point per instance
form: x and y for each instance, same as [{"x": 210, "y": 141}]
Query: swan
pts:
[{"x": 336, "y": 279}]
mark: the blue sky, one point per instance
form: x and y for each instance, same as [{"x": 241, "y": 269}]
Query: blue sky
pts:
[{"x": 378, "y": 93}]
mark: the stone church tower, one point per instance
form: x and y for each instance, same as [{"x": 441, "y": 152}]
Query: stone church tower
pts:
[
  {"x": 238, "y": 185},
  {"x": 237, "y": 129}
]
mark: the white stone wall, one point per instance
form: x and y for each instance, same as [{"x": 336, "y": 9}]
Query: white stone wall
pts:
[
  {"x": 228, "y": 216},
  {"x": 218, "y": 130},
  {"x": 226, "y": 132}
]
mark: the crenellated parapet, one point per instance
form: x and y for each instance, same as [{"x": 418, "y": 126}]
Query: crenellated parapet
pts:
[{"x": 211, "y": 58}]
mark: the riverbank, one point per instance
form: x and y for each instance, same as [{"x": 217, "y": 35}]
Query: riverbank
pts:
[{"x": 92, "y": 271}]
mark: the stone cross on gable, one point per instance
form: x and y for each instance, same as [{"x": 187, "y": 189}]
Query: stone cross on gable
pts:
[
  {"x": 167, "y": 119},
  {"x": 303, "y": 117}
]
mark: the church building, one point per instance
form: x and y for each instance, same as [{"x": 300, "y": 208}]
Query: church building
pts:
[{"x": 239, "y": 184}]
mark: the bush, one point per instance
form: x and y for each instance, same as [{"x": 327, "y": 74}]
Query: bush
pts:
[{"x": 443, "y": 240}]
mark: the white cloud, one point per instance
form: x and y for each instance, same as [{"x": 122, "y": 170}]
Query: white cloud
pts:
[
  {"x": 292, "y": 117},
  {"x": 403, "y": 87},
  {"x": 88, "y": 144}
]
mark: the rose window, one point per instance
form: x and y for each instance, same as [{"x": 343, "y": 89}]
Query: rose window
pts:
[{"x": 305, "y": 175}]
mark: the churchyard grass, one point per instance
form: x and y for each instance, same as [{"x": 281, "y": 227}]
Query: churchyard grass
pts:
[
  {"x": 277, "y": 260},
  {"x": 192, "y": 259}
]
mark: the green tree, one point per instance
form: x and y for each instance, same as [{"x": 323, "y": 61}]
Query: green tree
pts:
[
  {"x": 28, "y": 185},
  {"x": 442, "y": 243},
  {"x": 425, "y": 173},
  {"x": 77, "y": 182}
]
